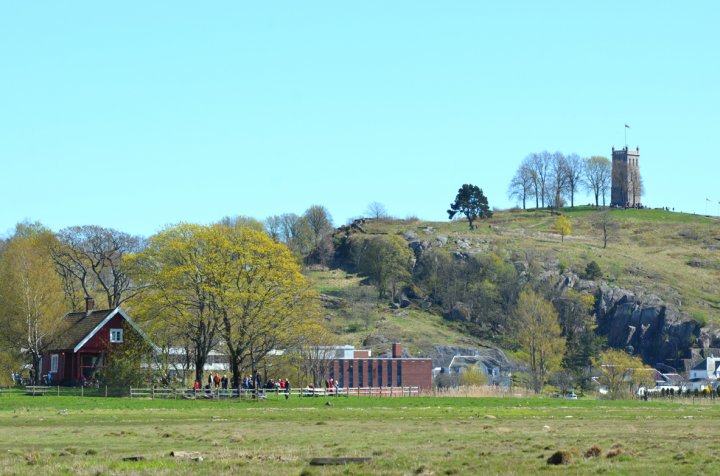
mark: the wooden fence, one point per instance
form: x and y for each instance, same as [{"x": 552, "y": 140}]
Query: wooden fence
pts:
[{"x": 272, "y": 393}]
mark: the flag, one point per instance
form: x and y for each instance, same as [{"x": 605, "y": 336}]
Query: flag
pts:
[{"x": 627, "y": 127}]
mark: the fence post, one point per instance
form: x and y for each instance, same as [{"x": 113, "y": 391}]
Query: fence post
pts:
[
  {"x": 58, "y": 391},
  {"x": 82, "y": 390},
  {"x": 105, "y": 391},
  {"x": 130, "y": 393},
  {"x": 152, "y": 393}
]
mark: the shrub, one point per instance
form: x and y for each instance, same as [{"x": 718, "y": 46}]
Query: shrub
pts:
[{"x": 593, "y": 271}]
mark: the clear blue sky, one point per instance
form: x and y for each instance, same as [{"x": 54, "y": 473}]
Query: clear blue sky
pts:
[{"x": 134, "y": 115}]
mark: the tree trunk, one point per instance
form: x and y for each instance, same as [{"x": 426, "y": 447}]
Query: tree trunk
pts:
[{"x": 199, "y": 366}]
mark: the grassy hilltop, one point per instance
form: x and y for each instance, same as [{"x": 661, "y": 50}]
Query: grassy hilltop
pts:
[{"x": 673, "y": 255}]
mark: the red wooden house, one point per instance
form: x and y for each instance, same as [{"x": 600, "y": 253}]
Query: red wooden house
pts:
[{"x": 80, "y": 351}]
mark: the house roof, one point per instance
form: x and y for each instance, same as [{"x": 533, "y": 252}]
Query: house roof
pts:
[
  {"x": 83, "y": 326},
  {"x": 709, "y": 364}
]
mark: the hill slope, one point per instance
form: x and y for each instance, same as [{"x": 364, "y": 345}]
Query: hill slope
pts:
[{"x": 672, "y": 255}]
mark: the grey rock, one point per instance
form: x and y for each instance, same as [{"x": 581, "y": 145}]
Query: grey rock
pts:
[{"x": 654, "y": 329}]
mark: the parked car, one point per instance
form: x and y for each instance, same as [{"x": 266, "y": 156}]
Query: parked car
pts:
[{"x": 571, "y": 396}]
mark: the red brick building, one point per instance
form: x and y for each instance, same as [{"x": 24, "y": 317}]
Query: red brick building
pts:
[{"x": 396, "y": 371}]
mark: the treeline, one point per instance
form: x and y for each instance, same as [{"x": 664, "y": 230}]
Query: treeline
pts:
[
  {"x": 227, "y": 286},
  {"x": 553, "y": 179},
  {"x": 237, "y": 286}
]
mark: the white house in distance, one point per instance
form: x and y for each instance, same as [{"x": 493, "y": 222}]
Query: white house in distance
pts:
[{"x": 705, "y": 374}]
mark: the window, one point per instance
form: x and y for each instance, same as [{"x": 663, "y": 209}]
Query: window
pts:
[
  {"x": 54, "y": 363},
  {"x": 116, "y": 335}
]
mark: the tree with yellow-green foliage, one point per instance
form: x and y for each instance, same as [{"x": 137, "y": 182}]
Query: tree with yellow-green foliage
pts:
[
  {"x": 264, "y": 301},
  {"x": 229, "y": 284},
  {"x": 31, "y": 294},
  {"x": 563, "y": 226},
  {"x": 622, "y": 374},
  {"x": 539, "y": 334},
  {"x": 177, "y": 266},
  {"x": 473, "y": 376}
]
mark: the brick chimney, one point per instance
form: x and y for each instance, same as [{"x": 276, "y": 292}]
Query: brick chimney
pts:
[
  {"x": 396, "y": 350},
  {"x": 89, "y": 305}
]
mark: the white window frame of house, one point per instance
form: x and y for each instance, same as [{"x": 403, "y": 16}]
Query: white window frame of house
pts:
[
  {"x": 116, "y": 336},
  {"x": 54, "y": 359}
]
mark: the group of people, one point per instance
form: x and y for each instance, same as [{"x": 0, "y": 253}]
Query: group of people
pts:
[{"x": 216, "y": 382}]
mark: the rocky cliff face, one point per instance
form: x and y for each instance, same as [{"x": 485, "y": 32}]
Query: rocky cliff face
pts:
[{"x": 645, "y": 324}]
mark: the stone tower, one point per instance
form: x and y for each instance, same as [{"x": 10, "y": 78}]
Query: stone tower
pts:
[{"x": 626, "y": 182}]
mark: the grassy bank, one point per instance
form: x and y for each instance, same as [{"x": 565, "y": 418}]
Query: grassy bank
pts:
[{"x": 66, "y": 435}]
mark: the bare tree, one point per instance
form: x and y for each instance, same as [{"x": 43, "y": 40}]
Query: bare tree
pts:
[
  {"x": 540, "y": 167},
  {"x": 522, "y": 184},
  {"x": 377, "y": 210},
  {"x": 273, "y": 227},
  {"x": 574, "y": 173},
  {"x": 557, "y": 181},
  {"x": 91, "y": 258},
  {"x": 296, "y": 233},
  {"x": 596, "y": 177},
  {"x": 320, "y": 221},
  {"x": 606, "y": 225},
  {"x": 636, "y": 189}
]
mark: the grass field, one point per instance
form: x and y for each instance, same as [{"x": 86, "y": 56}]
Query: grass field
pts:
[{"x": 421, "y": 435}]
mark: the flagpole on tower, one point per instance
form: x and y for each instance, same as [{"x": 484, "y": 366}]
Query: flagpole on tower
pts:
[{"x": 626, "y": 128}]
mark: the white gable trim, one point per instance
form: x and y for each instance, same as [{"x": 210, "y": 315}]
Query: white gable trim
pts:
[{"x": 107, "y": 319}]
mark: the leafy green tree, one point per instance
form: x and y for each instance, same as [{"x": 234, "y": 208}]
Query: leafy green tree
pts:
[
  {"x": 31, "y": 294},
  {"x": 622, "y": 373},
  {"x": 578, "y": 327},
  {"x": 231, "y": 283},
  {"x": 177, "y": 266},
  {"x": 563, "y": 226},
  {"x": 123, "y": 366},
  {"x": 471, "y": 202},
  {"x": 539, "y": 334},
  {"x": 386, "y": 260}
]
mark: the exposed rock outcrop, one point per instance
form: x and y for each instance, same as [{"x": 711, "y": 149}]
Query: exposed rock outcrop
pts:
[{"x": 644, "y": 324}]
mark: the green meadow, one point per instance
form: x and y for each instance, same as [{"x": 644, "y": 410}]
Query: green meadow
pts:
[{"x": 414, "y": 435}]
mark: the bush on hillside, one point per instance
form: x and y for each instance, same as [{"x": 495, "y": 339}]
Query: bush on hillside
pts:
[{"x": 593, "y": 271}]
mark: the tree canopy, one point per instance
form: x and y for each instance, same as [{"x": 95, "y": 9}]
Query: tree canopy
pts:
[
  {"x": 31, "y": 294},
  {"x": 539, "y": 334},
  {"x": 471, "y": 202},
  {"x": 233, "y": 285}
]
